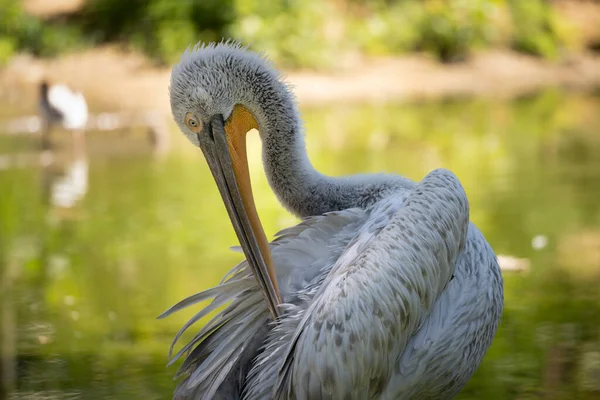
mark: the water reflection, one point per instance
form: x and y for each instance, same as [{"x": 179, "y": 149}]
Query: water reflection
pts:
[
  {"x": 66, "y": 187},
  {"x": 85, "y": 292},
  {"x": 72, "y": 186}
]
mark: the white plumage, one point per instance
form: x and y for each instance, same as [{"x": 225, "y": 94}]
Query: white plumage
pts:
[
  {"x": 71, "y": 105},
  {"x": 61, "y": 106}
]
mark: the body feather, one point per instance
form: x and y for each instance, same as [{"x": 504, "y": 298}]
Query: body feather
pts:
[{"x": 367, "y": 293}]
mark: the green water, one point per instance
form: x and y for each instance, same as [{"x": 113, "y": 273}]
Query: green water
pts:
[{"x": 81, "y": 287}]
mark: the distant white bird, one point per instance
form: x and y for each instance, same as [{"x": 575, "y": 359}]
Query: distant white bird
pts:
[
  {"x": 384, "y": 291},
  {"x": 59, "y": 105}
]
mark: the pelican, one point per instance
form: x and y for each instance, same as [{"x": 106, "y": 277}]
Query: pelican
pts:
[
  {"x": 60, "y": 105},
  {"x": 385, "y": 290}
]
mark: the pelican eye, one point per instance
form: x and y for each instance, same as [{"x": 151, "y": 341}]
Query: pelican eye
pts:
[{"x": 192, "y": 122}]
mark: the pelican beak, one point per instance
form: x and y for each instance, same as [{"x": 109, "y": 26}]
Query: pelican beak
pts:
[{"x": 224, "y": 146}]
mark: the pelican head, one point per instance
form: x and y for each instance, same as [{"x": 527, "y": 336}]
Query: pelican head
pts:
[
  {"x": 215, "y": 95},
  {"x": 226, "y": 80}
]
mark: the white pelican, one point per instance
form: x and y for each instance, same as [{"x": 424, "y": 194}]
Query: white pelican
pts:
[
  {"x": 384, "y": 291},
  {"x": 59, "y": 105}
]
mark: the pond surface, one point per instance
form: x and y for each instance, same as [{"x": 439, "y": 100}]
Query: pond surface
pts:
[{"x": 94, "y": 246}]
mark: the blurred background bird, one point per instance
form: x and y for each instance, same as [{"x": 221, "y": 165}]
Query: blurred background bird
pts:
[{"x": 61, "y": 106}]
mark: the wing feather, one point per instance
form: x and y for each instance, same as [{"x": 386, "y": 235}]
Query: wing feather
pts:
[
  {"x": 350, "y": 337},
  {"x": 217, "y": 356}
]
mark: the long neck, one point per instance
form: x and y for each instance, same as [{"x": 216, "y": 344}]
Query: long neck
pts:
[{"x": 303, "y": 190}]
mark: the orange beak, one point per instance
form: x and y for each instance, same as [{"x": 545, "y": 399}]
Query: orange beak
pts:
[{"x": 224, "y": 147}]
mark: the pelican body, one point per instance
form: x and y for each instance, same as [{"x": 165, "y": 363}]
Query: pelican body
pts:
[{"x": 385, "y": 290}]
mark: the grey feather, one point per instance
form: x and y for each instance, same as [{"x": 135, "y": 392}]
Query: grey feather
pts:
[{"x": 389, "y": 292}]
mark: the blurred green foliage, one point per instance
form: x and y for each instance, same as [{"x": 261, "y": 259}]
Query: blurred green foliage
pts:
[
  {"x": 293, "y": 32},
  {"x": 450, "y": 29},
  {"x": 538, "y": 28},
  {"x": 309, "y": 33},
  {"x": 161, "y": 28},
  {"x": 21, "y": 31}
]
